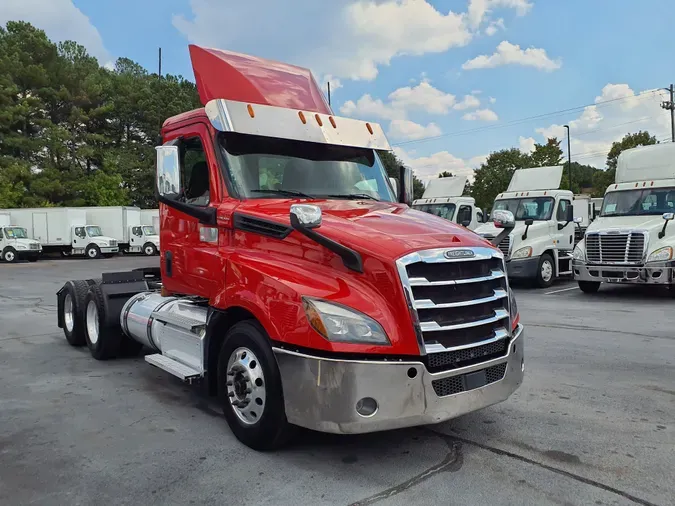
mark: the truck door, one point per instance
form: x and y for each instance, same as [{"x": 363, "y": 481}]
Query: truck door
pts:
[
  {"x": 136, "y": 238},
  {"x": 564, "y": 237},
  {"x": 40, "y": 232},
  {"x": 190, "y": 258}
]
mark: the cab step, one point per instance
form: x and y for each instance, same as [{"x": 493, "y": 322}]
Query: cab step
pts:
[
  {"x": 171, "y": 366},
  {"x": 564, "y": 273}
]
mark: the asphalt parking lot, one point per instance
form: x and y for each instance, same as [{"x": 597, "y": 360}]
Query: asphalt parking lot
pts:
[{"x": 593, "y": 423}]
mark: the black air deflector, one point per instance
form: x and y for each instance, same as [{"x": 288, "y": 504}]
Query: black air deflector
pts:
[{"x": 261, "y": 226}]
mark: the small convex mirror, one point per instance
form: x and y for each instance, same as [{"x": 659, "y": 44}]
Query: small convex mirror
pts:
[
  {"x": 305, "y": 216},
  {"x": 503, "y": 219},
  {"x": 168, "y": 171},
  {"x": 578, "y": 219},
  {"x": 668, "y": 216}
]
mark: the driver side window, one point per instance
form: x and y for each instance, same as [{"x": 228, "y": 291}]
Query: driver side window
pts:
[
  {"x": 195, "y": 173},
  {"x": 79, "y": 232},
  {"x": 561, "y": 215}
]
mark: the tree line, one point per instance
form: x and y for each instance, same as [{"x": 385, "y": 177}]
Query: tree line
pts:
[{"x": 74, "y": 133}]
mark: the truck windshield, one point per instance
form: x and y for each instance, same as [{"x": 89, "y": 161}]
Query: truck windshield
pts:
[
  {"x": 446, "y": 211},
  {"x": 16, "y": 233},
  {"x": 94, "y": 231},
  {"x": 534, "y": 208},
  {"x": 652, "y": 201},
  {"x": 148, "y": 230},
  {"x": 265, "y": 167}
]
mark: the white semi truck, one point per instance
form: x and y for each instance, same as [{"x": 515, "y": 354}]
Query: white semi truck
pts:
[
  {"x": 443, "y": 197},
  {"x": 15, "y": 243},
  {"x": 124, "y": 224},
  {"x": 539, "y": 248},
  {"x": 65, "y": 230},
  {"x": 632, "y": 240}
]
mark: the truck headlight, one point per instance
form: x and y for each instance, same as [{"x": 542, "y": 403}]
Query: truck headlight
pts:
[
  {"x": 340, "y": 324},
  {"x": 661, "y": 255},
  {"x": 579, "y": 254},
  {"x": 513, "y": 306},
  {"x": 525, "y": 252}
]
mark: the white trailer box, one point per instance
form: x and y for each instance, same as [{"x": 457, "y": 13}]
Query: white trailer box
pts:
[
  {"x": 64, "y": 229},
  {"x": 124, "y": 224},
  {"x": 150, "y": 217}
]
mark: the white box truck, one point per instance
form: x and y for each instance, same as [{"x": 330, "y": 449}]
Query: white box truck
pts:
[
  {"x": 539, "y": 248},
  {"x": 443, "y": 197},
  {"x": 66, "y": 230},
  {"x": 632, "y": 240},
  {"x": 15, "y": 243},
  {"x": 150, "y": 217},
  {"x": 123, "y": 223}
]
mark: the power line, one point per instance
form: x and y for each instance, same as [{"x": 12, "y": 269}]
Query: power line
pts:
[{"x": 527, "y": 119}]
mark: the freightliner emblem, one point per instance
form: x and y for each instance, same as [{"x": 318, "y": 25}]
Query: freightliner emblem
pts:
[{"x": 458, "y": 253}]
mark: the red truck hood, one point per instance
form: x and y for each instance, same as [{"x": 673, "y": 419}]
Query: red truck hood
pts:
[{"x": 382, "y": 229}]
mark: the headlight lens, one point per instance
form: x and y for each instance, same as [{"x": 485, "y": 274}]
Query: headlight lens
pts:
[
  {"x": 525, "y": 252},
  {"x": 579, "y": 253},
  {"x": 661, "y": 255},
  {"x": 340, "y": 324},
  {"x": 514, "y": 308}
]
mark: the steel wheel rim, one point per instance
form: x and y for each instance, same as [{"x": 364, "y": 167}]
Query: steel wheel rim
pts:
[
  {"x": 68, "y": 313},
  {"x": 92, "y": 322},
  {"x": 149, "y": 250},
  {"x": 546, "y": 271},
  {"x": 246, "y": 386},
  {"x": 9, "y": 256},
  {"x": 92, "y": 253}
]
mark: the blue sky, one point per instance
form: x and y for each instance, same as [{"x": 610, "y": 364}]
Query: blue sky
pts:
[{"x": 449, "y": 80}]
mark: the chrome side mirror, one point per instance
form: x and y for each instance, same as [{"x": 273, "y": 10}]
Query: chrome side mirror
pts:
[
  {"x": 168, "y": 171},
  {"x": 305, "y": 216},
  {"x": 394, "y": 184},
  {"x": 578, "y": 219},
  {"x": 406, "y": 185},
  {"x": 668, "y": 216},
  {"x": 503, "y": 219}
]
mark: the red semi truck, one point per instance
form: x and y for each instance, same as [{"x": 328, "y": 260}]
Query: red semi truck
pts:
[{"x": 295, "y": 282}]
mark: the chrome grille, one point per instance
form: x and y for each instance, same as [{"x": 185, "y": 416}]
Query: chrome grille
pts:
[
  {"x": 615, "y": 248},
  {"x": 504, "y": 244},
  {"x": 113, "y": 242},
  {"x": 461, "y": 304},
  {"x": 34, "y": 246}
]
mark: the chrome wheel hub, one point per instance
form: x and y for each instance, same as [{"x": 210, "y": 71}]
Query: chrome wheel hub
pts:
[
  {"x": 546, "y": 271},
  {"x": 246, "y": 385},
  {"x": 68, "y": 313},
  {"x": 92, "y": 322}
]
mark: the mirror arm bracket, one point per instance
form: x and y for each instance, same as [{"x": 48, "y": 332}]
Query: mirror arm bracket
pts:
[
  {"x": 662, "y": 233},
  {"x": 205, "y": 215},
  {"x": 350, "y": 258}
]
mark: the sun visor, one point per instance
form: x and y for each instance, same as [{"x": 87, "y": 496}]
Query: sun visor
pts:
[
  {"x": 238, "y": 77},
  {"x": 536, "y": 178}
]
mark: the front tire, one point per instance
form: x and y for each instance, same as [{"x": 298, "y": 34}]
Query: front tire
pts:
[
  {"x": 249, "y": 387},
  {"x": 149, "y": 249},
  {"x": 545, "y": 271},
  {"x": 103, "y": 339},
  {"x": 9, "y": 255},
  {"x": 93, "y": 251},
  {"x": 589, "y": 286}
]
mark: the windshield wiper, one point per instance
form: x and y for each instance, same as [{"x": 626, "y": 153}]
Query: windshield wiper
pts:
[
  {"x": 290, "y": 193},
  {"x": 353, "y": 196}
]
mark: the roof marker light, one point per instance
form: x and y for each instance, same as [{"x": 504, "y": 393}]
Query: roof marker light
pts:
[
  {"x": 250, "y": 110},
  {"x": 318, "y": 120},
  {"x": 302, "y": 118},
  {"x": 370, "y": 129},
  {"x": 332, "y": 121}
]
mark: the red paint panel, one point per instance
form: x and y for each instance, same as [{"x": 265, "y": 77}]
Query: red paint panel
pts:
[{"x": 243, "y": 78}]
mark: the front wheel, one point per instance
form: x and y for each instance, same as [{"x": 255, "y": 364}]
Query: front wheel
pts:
[
  {"x": 589, "y": 286},
  {"x": 149, "y": 249},
  {"x": 93, "y": 251},
  {"x": 9, "y": 255},
  {"x": 249, "y": 387},
  {"x": 545, "y": 271}
]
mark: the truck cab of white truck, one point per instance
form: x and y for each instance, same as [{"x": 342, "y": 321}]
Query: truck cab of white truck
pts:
[
  {"x": 15, "y": 244},
  {"x": 632, "y": 240},
  {"x": 539, "y": 248},
  {"x": 443, "y": 197}
]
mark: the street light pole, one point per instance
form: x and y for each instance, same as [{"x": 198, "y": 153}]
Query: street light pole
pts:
[{"x": 569, "y": 155}]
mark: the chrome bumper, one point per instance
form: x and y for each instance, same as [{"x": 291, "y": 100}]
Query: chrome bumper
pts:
[
  {"x": 322, "y": 394},
  {"x": 109, "y": 249},
  {"x": 657, "y": 273}
]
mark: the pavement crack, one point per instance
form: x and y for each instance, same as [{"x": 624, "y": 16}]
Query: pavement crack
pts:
[
  {"x": 562, "y": 472},
  {"x": 452, "y": 462}
]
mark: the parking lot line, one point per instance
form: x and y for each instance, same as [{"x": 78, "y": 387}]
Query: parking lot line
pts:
[{"x": 562, "y": 290}]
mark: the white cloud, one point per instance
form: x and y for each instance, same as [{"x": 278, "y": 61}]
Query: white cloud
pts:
[
  {"x": 492, "y": 100},
  {"x": 403, "y": 129},
  {"x": 368, "y": 107},
  {"x": 481, "y": 115},
  {"x": 60, "y": 20},
  {"x": 428, "y": 167},
  {"x": 479, "y": 9},
  {"x": 468, "y": 102},
  {"x": 526, "y": 144},
  {"x": 422, "y": 97},
  {"x": 619, "y": 110},
  {"x": 512, "y": 54},
  {"x": 494, "y": 27}
]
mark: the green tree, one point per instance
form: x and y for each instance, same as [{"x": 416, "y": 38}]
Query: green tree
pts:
[
  {"x": 494, "y": 175},
  {"x": 546, "y": 155},
  {"x": 445, "y": 173}
]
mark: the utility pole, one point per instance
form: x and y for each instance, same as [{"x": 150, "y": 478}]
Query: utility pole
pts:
[
  {"x": 329, "y": 94},
  {"x": 569, "y": 155},
  {"x": 160, "y": 63},
  {"x": 670, "y": 106}
]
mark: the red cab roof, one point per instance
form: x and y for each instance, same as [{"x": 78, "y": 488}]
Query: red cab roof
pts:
[{"x": 234, "y": 76}]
